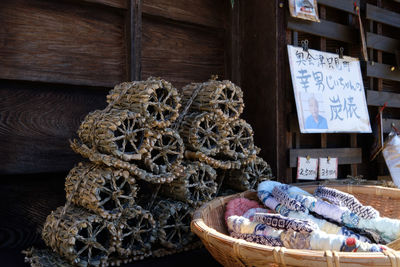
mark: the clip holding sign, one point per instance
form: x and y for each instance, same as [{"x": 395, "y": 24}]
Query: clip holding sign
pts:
[
  {"x": 304, "y": 45},
  {"x": 328, "y": 160},
  {"x": 340, "y": 52},
  {"x": 308, "y": 158}
]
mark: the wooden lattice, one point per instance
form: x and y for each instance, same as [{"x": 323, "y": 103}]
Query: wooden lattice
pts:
[
  {"x": 103, "y": 190},
  {"x": 173, "y": 218},
  {"x": 166, "y": 152},
  {"x": 221, "y": 97},
  {"x": 195, "y": 187},
  {"x": 120, "y": 133},
  {"x": 249, "y": 176},
  {"x": 112, "y": 161},
  {"x": 155, "y": 99},
  {"x": 80, "y": 237},
  {"x": 204, "y": 132},
  {"x": 240, "y": 140},
  {"x": 139, "y": 233}
]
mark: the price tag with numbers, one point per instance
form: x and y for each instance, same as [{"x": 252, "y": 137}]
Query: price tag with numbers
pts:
[
  {"x": 307, "y": 168},
  {"x": 328, "y": 168}
]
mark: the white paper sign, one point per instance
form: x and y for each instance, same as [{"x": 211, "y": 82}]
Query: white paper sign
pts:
[
  {"x": 329, "y": 92},
  {"x": 307, "y": 168},
  {"x": 391, "y": 153},
  {"x": 328, "y": 168}
]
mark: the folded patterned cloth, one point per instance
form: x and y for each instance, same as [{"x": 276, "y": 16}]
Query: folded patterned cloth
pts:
[
  {"x": 295, "y": 200},
  {"x": 261, "y": 233},
  {"x": 278, "y": 197}
]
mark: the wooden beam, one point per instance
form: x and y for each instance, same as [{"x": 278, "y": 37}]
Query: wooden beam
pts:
[
  {"x": 325, "y": 29},
  {"x": 344, "y": 155},
  {"x": 63, "y": 42},
  {"x": 383, "y": 71},
  {"x": 122, "y": 4},
  {"x": 383, "y": 43},
  {"x": 207, "y": 13},
  {"x": 135, "y": 40},
  {"x": 379, "y": 98},
  {"x": 344, "y": 5},
  {"x": 383, "y": 15}
]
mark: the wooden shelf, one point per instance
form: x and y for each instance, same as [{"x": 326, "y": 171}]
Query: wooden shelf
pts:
[{"x": 344, "y": 155}]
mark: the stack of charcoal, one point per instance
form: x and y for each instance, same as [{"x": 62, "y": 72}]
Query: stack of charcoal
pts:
[
  {"x": 215, "y": 135},
  {"x": 151, "y": 164}
]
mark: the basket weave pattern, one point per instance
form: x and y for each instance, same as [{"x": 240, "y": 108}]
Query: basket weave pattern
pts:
[{"x": 209, "y": 224}]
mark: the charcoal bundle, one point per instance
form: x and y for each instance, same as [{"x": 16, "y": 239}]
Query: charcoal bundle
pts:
[
  {"x": 83, "y": 238},
  {"x": 155, "y": 99}
]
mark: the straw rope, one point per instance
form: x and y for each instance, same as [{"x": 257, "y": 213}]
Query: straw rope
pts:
[{"x": 79, "y": 181}]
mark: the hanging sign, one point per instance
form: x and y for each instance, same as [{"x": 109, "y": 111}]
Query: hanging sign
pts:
[
  {"x": 304, "y": 9},
  {"x": 328, "y": 168},
  {"x": 329, "y": 92},
  {"x": 307, "y": 168},
  {"x": 391, "y": 154}
]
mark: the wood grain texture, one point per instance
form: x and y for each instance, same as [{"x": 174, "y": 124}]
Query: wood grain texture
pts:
[
  {"x": 201, "y": 12},
  {"x": 325, "y": 29},
  {"x": 123, "y": 4},
  {"x": 61, "y": 42},
  {"x": 25, "y": 202},
  {"x": 180, "y": 54},
  {"x": 344, "y": 5},
  {"x": 383, "y": 16},
  {"x": 383, "y": 71},
  {"x": 344, "y": 155},
  {"x": 379, "y": 98},
  {"x": 36, "y": 122},
  {"x": 382, "y": 43}
]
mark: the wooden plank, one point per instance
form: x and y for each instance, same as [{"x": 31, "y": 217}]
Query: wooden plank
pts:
[
  {"x": 387, "y": 125},
  {"x": 123, "y": 4},
  {"x": 344, "y": 155},
  {"x": 25, "y": 203},
  {"x": 382, "y": 43},
  {"x": 325, "y": 29},
  {"x": 61, "y": 42},
  {"x": 379, "y": 98},
  {"x": 382, "y": 15},
  {"x": 383, "y": 71},
  {"x": 36, "y": 123},
  {"x": 179, "y": 53},
  {"x": 344, "y": 5},
  {"x": 205, "y": 12},
  {"x": 134, "y": 41}
]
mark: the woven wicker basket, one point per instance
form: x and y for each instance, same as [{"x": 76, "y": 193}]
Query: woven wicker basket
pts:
[{"x": 208, "y": 223}]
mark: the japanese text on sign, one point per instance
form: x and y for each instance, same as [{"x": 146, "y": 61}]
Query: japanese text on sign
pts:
[
  {"x": 328, "y": 168},
  {"x": 329, "y": 92},
  {"x": 307, "y": 168}
]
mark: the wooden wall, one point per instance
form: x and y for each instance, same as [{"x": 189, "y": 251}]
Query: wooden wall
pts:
[{"x": 58, "y": 60}]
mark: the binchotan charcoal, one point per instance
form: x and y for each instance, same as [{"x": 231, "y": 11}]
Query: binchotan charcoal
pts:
[
  {"x": 155, "y": 99},
  {"x": 204, "y": 132},
  {"x": 173, "y": 222},
  {"x": 81, "y": 237},
  {"x": 104, "y": 190},
  {"x": 221, "y": 97},
  {"x": 120, "y": 133},
  {"x": 196, "y": 187},
  {"x": 249, "y": 176}
]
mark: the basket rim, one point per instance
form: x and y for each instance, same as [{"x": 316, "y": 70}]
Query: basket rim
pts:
[{"x": 200, "y": 228}]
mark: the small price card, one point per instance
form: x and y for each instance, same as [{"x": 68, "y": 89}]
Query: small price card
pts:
[
  {"x": 307, "y": 168},
  {"x": 328, "y": 168}
]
